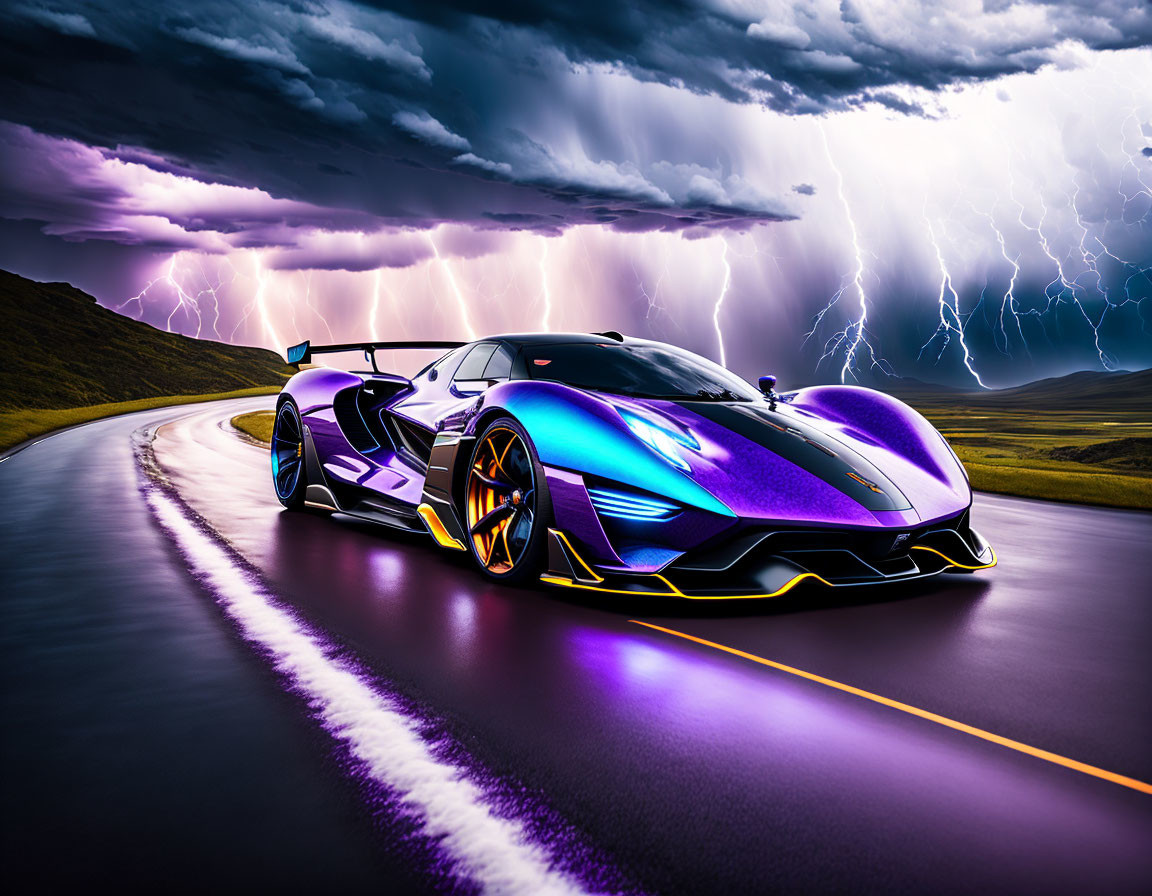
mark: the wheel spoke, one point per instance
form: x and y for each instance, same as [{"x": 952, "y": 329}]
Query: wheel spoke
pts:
[
  {"x": 507, "y": 550},
  {"x": 286, "y": 479},
  {"x": 489, "y": 519},
  {"x": 491, "y": 482},
  {"x": 518, "y": 530},
  {"x": 515, "y": 468}
]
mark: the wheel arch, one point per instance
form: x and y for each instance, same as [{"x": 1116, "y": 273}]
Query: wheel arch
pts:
[{"x": 475, "y": 428}]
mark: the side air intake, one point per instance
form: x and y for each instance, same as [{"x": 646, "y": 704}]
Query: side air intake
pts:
[{"x": 630, "y": 506}]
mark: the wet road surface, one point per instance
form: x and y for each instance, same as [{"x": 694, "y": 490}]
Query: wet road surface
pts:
[{"x": 149, "y": 738}]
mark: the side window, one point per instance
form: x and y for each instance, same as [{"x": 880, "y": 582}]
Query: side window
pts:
[
  {"x": 472, "y": 367},
  {"x": 500, "y": 365},
  {"x": 445, "y": 364}
]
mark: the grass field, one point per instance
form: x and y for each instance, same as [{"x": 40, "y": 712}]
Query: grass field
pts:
[
  {"x": 1011, "y": 452},
  {"x": 1008, "y": 452},
  {"x": 17, "y": 426},
  {"x": 257, "y": 424}
]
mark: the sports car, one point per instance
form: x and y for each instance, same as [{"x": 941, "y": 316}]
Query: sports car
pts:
[{"x": 604, "y": 462}]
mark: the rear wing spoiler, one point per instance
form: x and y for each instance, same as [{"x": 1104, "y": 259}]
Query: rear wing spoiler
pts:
[{"x": 302, "y": 353}]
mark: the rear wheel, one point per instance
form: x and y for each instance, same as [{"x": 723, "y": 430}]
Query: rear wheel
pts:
[
  {"x": 288, "y": 475},
  {"x": 507, "y": 504}
]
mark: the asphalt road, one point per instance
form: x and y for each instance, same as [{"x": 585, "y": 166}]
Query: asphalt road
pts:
[{"x": 159, "y": 728}]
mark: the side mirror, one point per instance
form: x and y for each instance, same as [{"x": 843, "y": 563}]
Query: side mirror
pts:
[{"x": 768, "y": 387}]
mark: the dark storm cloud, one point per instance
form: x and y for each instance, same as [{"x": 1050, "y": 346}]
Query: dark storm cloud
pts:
[
  {"x": 416, "y": 112},
  {"x": 809, "y": 55},
  {"x": 331, "y": 105}
]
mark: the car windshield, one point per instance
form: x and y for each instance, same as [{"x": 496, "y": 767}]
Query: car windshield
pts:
[{"x": 642, "y": 370}]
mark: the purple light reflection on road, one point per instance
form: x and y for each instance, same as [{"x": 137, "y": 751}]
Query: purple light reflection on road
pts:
[{"x": 782, "y": 740}]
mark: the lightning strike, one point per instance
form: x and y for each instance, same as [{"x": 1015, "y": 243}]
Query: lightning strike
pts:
[
  {"x": 460, "y": 303},
  {"x": 720, "y": 300},
  {"x": 1008, "y": 304},
  {"x": 313, "y": 308},
  {"x": 261, "y": 277},
  {"x": 186, "y": 301},
  {"x": 375, "y": 308},
  {"x": 546, "y": 320},
  {"x": 950, "y": 319},
  {"x": 854, "y": 337}
]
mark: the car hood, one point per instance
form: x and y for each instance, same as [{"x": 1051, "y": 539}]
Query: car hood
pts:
[{"x": 785, "y": 464}]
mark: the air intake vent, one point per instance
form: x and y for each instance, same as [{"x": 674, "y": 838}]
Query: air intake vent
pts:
[
  {"x": 630, "y": 506},
  {"x": 347, "y": 411}
]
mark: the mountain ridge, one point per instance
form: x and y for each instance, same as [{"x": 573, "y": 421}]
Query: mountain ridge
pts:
[{"x": 59, "y": 348}]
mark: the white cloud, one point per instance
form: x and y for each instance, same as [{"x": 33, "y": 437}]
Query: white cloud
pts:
[
  {"x": 367, "y": 44},
  {"x": 66, "y": 22},
  {"x": 780, "y": 33},
  {"x": 468, "y": 158},
  {"x": 424, "y": 127},
  {"x": 245, "y": 51}
]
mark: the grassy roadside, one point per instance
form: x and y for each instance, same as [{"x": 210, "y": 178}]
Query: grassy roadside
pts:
[
  {"x": 1006, "y": 453},
  {"x": 1027, "y": 453},
  {"x": 257, "y": 424},
  {"x": 1104, "y": 489},
  {"x": 17, "y": 426}
]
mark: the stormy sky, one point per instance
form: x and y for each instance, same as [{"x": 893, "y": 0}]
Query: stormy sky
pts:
[{"x": 957, "y": 192}]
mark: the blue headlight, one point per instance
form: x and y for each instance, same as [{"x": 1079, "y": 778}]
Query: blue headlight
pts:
[{"x": 662, "y": 441}]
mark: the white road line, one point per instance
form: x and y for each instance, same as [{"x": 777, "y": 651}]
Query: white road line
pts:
[{"x": 493, "y": 851}]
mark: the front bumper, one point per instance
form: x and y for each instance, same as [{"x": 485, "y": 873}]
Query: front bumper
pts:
[{"x": 769, "y": 563}]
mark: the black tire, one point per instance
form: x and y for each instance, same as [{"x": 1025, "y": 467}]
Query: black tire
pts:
[
  {"x": 289, "y": 476},
  {"x": 507, "y": 509}
]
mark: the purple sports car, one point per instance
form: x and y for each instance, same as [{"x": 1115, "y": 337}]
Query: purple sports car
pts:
[{"x": 615, "y": 464}]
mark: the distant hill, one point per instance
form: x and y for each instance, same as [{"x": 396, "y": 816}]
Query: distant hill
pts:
[
  {"x": 1086, "y": 390},
  {"x": 60, "y": 349}
]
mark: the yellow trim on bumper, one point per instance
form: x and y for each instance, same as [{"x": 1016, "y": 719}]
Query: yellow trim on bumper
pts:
[
  {"x": 442, "y": 536},
  {"x": 673, "y": 591},
  {"x": 564, "y": 538},
  {"x": 920, "y": 547},
  {"x": 676, "y": 592}
]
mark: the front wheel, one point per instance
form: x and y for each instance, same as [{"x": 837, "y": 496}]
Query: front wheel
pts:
[
  {"x": 507, "y": 504},
  {"x": 288, "y": 475}
]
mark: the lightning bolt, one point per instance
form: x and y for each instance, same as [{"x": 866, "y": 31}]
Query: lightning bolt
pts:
[
  {"x": 185, "y": 301},
  {"x": 950, "y": 320},
  {"x": 853, "y": 339},
  {"x": 138, "y": 299},
  {"x": 261, "y": 277},
  {"x": 720, "y": 300},
  {"x": 546, "y": 320},
  {"x": 312, "y": 308},
  {"x": 1008, "y": 303},
  {"x": 460, "y": 303},
  {"x": 375, "y": 308}
]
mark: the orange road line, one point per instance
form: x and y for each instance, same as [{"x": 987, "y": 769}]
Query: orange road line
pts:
[{"x": 1056, "y": 758}]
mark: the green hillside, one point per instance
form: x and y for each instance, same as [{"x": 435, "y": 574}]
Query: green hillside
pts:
[{"x": 59, "y": 349}]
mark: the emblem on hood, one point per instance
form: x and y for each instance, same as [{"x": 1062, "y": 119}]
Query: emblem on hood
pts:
[{"x": 872, "y": 485}]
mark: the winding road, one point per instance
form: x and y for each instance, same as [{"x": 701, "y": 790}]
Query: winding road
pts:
[{"x": 201, "y": 689}]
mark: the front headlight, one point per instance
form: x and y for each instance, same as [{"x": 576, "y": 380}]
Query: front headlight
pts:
[{"x": 663, "y": 441}]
